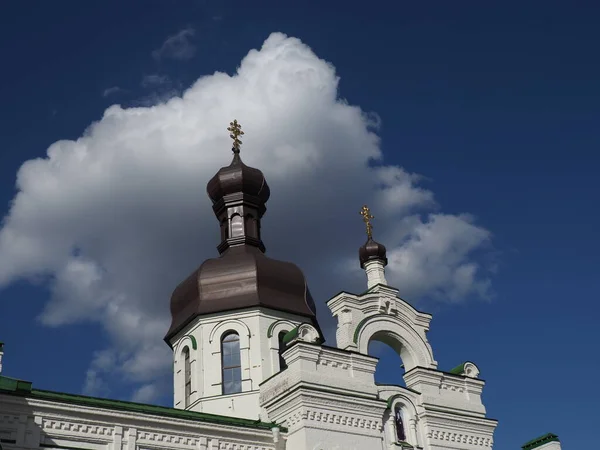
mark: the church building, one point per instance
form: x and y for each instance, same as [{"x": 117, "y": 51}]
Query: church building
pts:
[{"x": 252, "y": 371}]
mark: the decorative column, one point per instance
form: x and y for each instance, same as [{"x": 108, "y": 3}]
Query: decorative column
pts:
[
  {"x": 390, "y": 430},
  {"x": 412, "y": 432},
  {"x": 375, "y": 273},
  {"x": 117, "y": 443}
]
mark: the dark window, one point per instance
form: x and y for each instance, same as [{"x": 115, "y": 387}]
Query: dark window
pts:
[
  {"x": 232, "y": 368},
  {"x": 187, "y": 375},
  {"x": 400, "y": 434},
  {"x": 282, "y": 364}
]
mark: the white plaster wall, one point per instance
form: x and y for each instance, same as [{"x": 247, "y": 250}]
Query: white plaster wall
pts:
[
  {"x": 380, "y": 314},
  {"x": 550, "y": 446},
  {"x": 33, "y": 423},
  {"x": 259, "y": 359}
]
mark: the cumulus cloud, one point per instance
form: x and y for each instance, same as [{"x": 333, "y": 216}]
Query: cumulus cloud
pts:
[
  {"x": 179, "y": 46},
  {"x": 435, "y": 258},
  {"x": 111, "y": 91},
  {"x": 148, "y": 393},
  {"x": 116, "y": 218}
]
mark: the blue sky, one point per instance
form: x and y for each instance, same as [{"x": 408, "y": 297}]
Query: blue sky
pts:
[{"x": 496, "y": 106}]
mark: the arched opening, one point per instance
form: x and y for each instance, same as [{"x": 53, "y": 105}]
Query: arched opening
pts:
[
  {"x": 390, "y": 368},
  {"x": 231, "y": 363},
  {"x": 251, "y": 228},
  {"x": 237, "y": 226},
  {"x": 187, "y": 377},
  {"x": 224, "y": 229},
  {"x": 281, "y": 347}
]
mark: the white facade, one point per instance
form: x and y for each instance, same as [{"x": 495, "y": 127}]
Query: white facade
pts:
[
  {"x": 325, "y": 399},
  {"x": 258, "y": 330},
  {"x": 230, "y": 392}
]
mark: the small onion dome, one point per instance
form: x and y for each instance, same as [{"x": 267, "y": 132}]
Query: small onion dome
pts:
[
  {"x": 237, "y": 177},
  {"x": 372, "y": 251}
]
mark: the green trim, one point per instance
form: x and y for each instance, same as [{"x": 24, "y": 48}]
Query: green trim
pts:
[
  {"x": 458, "y": 370},
  {"x": 194, "y": 343},
  {"x": 21, "y": 388},
  {"x": 14, "y": 385},
  {"x": 362, "y": 323},
  {"x": 390, "y": 401},
  {"x": 293, "y": 334},
  {"x": 290, "y": 335},
  {"x": 539, "y": 441}
]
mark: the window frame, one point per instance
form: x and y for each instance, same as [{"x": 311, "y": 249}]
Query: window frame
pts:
[
  {"x": 187, "y": 377},
  {"x": 281, "y": 349},
  {"x": 234, "y": 368}
]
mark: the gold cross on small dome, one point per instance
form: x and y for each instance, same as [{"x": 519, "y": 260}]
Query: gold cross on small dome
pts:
[
  {"x": 235, "y": 130},
  {"x": 365, "y": 212}
]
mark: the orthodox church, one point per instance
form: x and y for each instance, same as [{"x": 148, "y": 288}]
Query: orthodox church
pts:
[{"x": 251, "y": 369}]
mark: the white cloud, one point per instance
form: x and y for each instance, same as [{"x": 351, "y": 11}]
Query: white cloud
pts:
[
  {"x": 103, "y": 362},
  {"x": 111, "y": 91},
  {"x": 148, "y": 393},
  {"x": 118, "y": 217},
  {"x": 179, "y": 46},
  {"x": 435, "y": 258}
]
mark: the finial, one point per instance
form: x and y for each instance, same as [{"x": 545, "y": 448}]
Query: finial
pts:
[
  {"x": 365, "y": 212},
  {"x": 235, "y": 130}
]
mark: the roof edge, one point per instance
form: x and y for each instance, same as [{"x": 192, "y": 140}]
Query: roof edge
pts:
[
  {"x": 10, "y": 386},
  {"x": 539, "y": 441}
]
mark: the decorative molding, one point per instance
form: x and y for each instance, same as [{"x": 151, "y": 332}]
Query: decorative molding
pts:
[
  {"x": 233, "y": 324},
  {"x": 279, "y": 322},
  {"x": 164, "y": 438},
  {"x": 53, "y": 425},
  {"x": 452, "y": 387},
  {"x": 330, "y": 418},
  {"x": 462, "y": 438}
]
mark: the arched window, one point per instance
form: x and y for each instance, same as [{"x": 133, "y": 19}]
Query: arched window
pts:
[
  {"x": 282, "y": 364},
  {"x": 400, "y": 433},
  {"x": 187, "y": 376},
  {"x": 232, "y": 367},
  {"x": 237, "y": 226},
  {"x": 251, "y": 229}
]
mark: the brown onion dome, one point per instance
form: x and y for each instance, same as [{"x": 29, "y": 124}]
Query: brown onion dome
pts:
[
  {"x": 371, "y": 251},
  {"x": 242, "y": 276},
  {"x": 238, "y": 177}
]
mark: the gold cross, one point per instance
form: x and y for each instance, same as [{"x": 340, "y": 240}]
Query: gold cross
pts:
[
  {"x": 365, "y": 212},
  {"x": 235, "y": 130}
]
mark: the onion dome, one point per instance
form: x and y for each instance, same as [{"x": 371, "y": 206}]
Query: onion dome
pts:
[
  {"x": 242, "y": 276},
  {"x": 370, "y": 250},
  {"x": 238, "y": 177}
]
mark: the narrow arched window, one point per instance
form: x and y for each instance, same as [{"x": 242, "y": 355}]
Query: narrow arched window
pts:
[
  {"x": 282, "y": 364},
  {"x": 187, "y": 376},
  {"x": 232, "y": 367},
  {"x": 237, "y": 226},
  {"x": 400, "y": 433}
]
